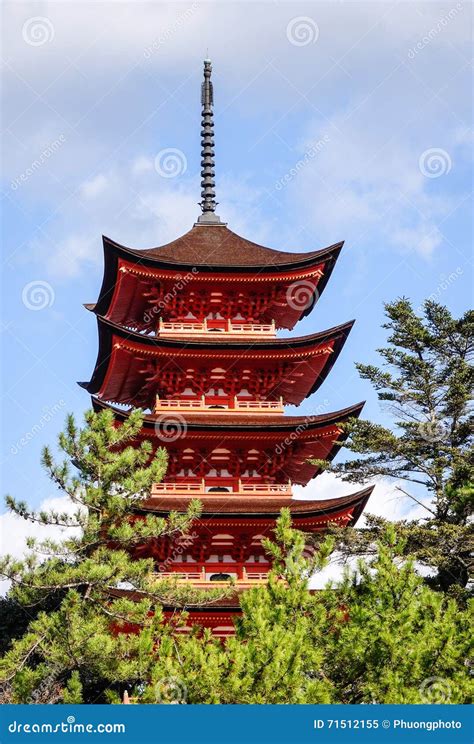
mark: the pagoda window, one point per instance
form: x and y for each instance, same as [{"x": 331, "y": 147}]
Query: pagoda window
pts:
[{"x": 221, "y": 577}]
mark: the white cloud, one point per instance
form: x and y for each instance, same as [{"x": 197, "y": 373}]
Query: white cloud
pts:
[
  {"x": 368, "y": 181},
  {"x": 135, "y": 61},
  {"x": 386, "y": 501},
  {"x": 94, "y": 187},
  {"x": 14, "y": 530},
  {"x": 142, "y": 165}
]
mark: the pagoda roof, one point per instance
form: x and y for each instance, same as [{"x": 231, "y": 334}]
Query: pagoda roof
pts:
[
  {"x": 216, "y": 248},
  {"x": 208, "y": 253},
  {"x": 287, "y": 444},
  {"x": 117, "y": 374},
  {"x": 244, "y": 422},
  {"x": 263, "y": 508}
]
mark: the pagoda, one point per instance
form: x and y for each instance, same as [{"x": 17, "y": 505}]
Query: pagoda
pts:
[{"x": 188, "y": 333}]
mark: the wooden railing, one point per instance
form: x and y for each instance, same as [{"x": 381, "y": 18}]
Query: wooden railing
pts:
[
  {"x": 201, "y": 577},
  {"x": 228, "y": 405},
  {"x": 201, "y": 488},
  {"x": 215, "y": 326}
]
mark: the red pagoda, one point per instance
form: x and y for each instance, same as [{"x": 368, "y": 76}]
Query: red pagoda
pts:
[{"x": 187, "y": 332}]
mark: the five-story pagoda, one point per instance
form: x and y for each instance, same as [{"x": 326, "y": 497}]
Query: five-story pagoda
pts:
[{"x": 187, "y": 332}]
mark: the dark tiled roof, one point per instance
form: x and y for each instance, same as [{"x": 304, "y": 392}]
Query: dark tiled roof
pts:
[
  {"x": 216, "y": 246},
  {"x": 213, "y": 506},
  {"x": 243, "y": 420},
  {"x": 216, "y": 340}
]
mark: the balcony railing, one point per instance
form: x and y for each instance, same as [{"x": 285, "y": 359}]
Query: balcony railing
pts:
[
  {"x": 185, "y": 327},
  {"x": 228, "y": 405},
  {"x": 201, "y": 488},
  {"x": 203, "y": 577}
]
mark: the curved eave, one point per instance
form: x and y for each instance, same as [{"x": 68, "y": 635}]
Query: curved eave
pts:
[
  {"x": 108, "y": 330},
  {"x": 320, "y": 438},
  {"x": 300, "y": 509},
  {"x": 278, "y": 424},
  {"x": 114, "y": 251}
]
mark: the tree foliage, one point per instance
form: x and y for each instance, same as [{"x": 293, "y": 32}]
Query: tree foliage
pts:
[
  {"x": 380, "y": 635},
  {"x": 426, "y": 380},
  {"x": 72, "y": 590}
]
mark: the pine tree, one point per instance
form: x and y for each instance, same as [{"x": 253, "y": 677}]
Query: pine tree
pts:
[
  {"x": 271, "y": 658},
  {"x": 71, "y": 590},
  {"x": 379, "y": 635},
  {"x": 427, "y": 381},
  {"x": 392, "y": 639}
]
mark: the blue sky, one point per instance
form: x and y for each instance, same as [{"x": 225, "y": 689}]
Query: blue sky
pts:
[{"x": 95, "y": 92}]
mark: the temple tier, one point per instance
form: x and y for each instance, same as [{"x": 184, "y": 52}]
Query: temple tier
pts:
[{"x": 187, "y": 332}]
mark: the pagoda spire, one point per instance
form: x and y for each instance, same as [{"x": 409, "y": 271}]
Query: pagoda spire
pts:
[{"x": 208, "y": 184}]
